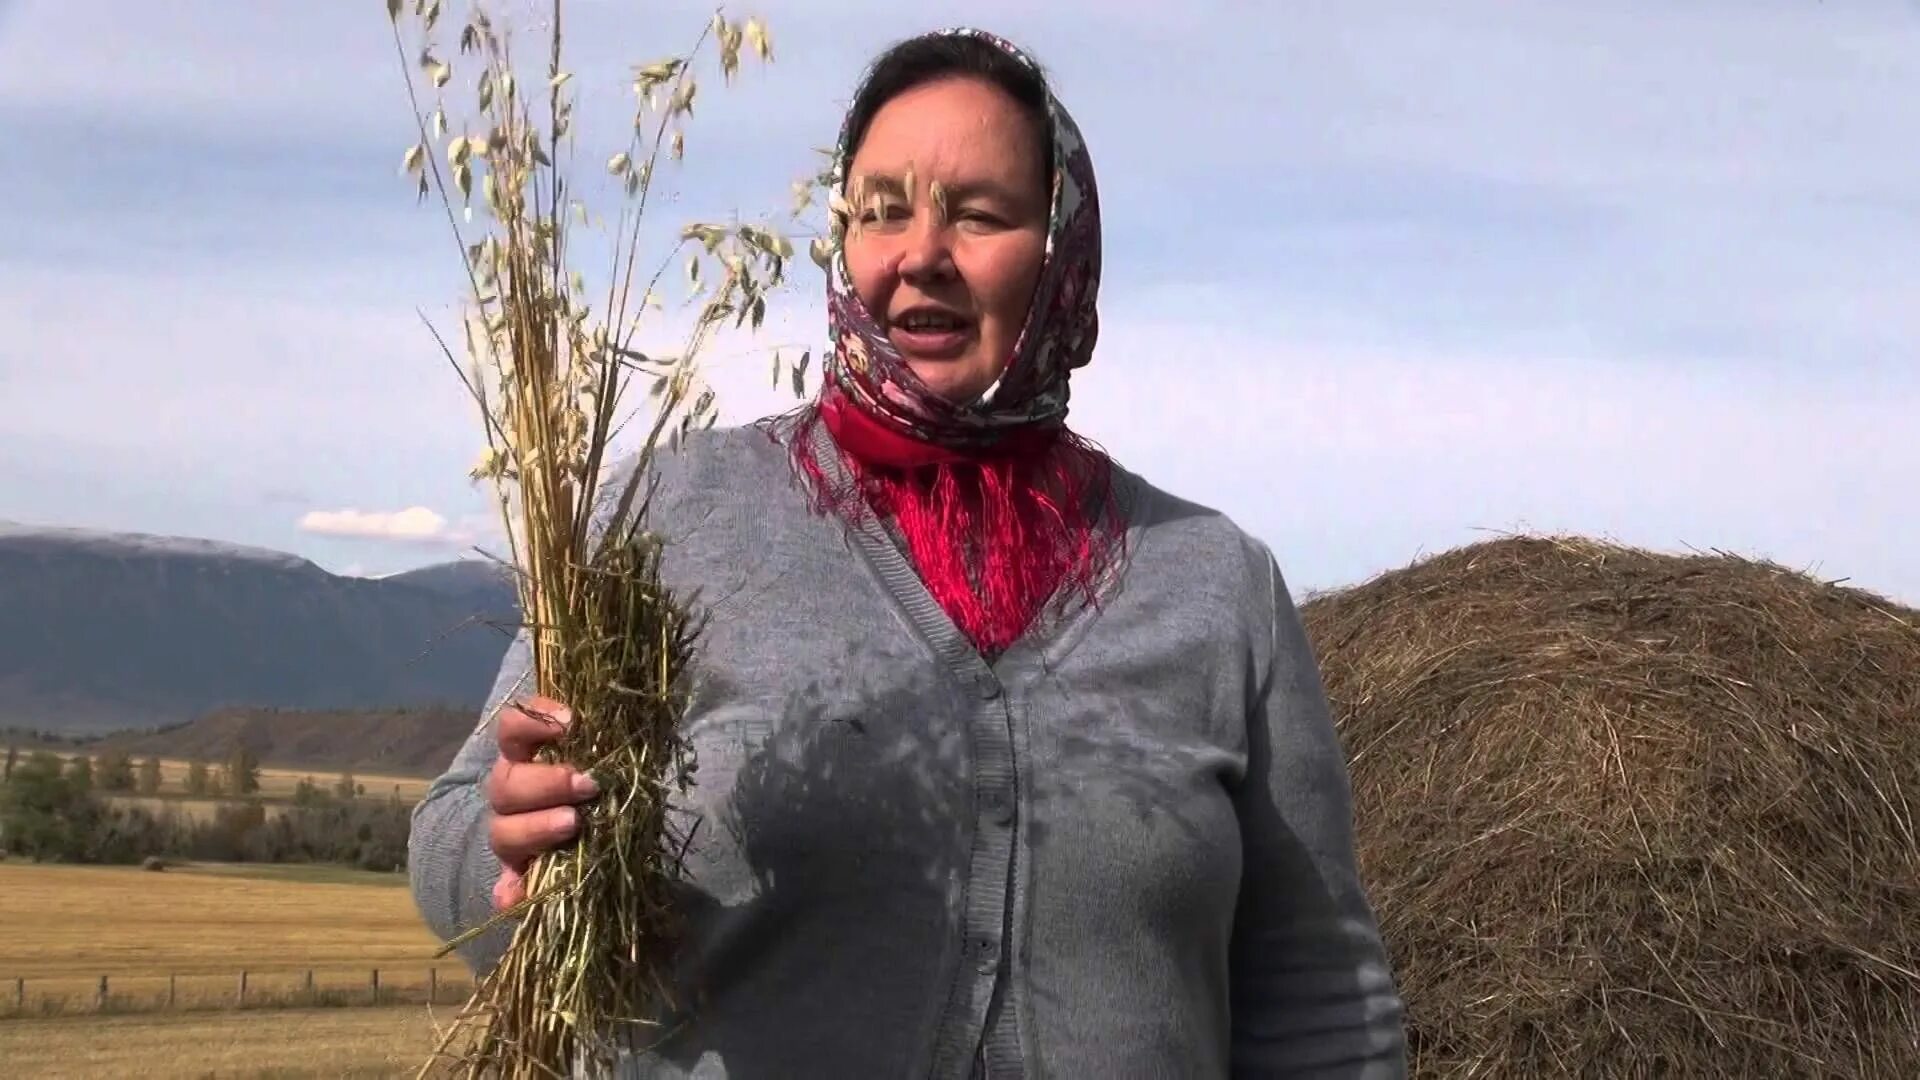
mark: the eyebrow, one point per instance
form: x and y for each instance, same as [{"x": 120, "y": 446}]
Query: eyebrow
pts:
[
  {"x": 893, "y": 184},
  {"x": 976, "y": 188}
]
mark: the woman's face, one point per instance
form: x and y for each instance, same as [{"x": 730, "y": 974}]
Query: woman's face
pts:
[{"x": 949, "y": 284}]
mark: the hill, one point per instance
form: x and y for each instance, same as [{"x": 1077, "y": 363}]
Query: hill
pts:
[
  {"x": 404, "y": 742},
  {"x": 102, "y": 632},
  {"x": 486, "y": 585}
]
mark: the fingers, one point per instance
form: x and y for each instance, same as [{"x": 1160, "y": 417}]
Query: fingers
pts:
[
  {"x": 531, "y": 802},
  {"x": 517, "y": 787},
  {"x": 517, "y": 838},
  {"x": 509, "y": 890},
  {"x": 526, "y": 726}
]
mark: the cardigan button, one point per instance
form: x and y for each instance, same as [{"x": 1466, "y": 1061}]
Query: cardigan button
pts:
[
  {"x": 986, "y": 953},
  {"x": 986, "y": 686}
]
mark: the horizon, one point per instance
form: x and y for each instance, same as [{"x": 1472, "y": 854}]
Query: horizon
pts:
[{"x": 1300, "y": 594}]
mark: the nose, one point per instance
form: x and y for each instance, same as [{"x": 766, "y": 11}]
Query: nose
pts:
[{"x": 925, "y": 255}]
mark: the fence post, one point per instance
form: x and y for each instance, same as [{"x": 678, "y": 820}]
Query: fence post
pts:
[
  {"x": 170, "y": 988},
  {"x": 241, "y": 999},
  {"x": 100, "y": 995},
  {"x": 309, "y": 986},
  {"x": 433, "y": 986},
  {"x": 376, "y": 986},
  {"x": 20, "y": 993}
]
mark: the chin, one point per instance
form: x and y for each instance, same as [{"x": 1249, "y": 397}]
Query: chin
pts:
[{"x": 955, "y": 386}]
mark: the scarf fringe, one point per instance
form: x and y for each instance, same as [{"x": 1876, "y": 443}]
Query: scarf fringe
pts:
[{"x": 997, "y": 540}]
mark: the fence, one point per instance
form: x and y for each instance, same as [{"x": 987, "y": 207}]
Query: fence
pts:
[{"x": 247, "y": 989}]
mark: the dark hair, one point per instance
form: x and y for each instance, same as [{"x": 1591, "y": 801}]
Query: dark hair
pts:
[{"x": 922, "y": 60}]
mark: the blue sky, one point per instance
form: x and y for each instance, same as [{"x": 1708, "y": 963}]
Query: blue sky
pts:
[{"x": 1381, "y": 277}]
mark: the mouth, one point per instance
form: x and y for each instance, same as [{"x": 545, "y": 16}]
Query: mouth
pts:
[{"x": 926, "y": 332}]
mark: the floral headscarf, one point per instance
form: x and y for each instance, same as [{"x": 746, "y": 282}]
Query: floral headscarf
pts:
[{"x": 1058, "y": 336}]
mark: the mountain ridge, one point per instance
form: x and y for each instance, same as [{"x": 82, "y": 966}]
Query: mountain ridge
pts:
[{"x": 106, "y": 631}]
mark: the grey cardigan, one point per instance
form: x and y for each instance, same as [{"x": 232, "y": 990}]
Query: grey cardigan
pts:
[{"x": 1122, "y": 849}]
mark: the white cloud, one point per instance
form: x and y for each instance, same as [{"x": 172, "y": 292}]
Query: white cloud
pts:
[{"x": 415, "y": 524}]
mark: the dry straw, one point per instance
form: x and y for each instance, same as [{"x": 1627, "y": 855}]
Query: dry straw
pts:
[
  {"x": 1627, "y": 814},
  {"x": 548, "y": 359}
]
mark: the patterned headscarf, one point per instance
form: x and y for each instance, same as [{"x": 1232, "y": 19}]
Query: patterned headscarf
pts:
[{"x": 1058, "y": 336}]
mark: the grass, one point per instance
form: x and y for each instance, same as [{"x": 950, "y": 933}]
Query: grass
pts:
[
  {"x": 287, "y": 1043},
  {"x": 68, "y": 925}
]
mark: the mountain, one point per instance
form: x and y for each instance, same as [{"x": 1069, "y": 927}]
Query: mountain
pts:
[
  {"x": 485, "y": 584},
  {"x": 111, "y": 631},
  {"x": 402, "y": 742}
]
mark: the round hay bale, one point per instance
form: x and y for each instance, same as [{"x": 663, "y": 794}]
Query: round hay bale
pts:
[
  {"x": 1632, "y": 814},
  {"x": 154, "y": 863}
]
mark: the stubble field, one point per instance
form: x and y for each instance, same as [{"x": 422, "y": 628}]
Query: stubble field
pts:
[
  {"x": 276, "y": 783},
  {"x": 386, "y": 1041},
  {"x": 195, "y": 929},
  {"x": 276, "y": 794}
]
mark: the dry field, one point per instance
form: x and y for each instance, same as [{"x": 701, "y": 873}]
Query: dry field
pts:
[
  {"x": 279, "y": 783},
  {"x": 276, "y": 790},
  {"x": 203, "y": 925},
  {"x": 282, "y": 1043},
  {"x": 188, "y": 808}
]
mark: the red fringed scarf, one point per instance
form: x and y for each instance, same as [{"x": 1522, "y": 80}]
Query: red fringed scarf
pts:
[{"x": 994, "y": 534}]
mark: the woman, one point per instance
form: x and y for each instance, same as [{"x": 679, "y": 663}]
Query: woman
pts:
[{"x": 1010, "y": 764}]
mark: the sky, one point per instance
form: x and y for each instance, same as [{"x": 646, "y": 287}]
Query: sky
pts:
[{"x": 1381, "y": 279}]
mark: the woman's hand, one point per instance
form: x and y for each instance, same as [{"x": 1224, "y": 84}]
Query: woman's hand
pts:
[{"x": 533, "y": 804}]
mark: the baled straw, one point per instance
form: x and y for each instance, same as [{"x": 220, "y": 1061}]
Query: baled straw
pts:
[
  {"x": 1627, "y": 814},
  {"x": 548, "y": 366}
]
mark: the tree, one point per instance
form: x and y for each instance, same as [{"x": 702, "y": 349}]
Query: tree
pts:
[
  {"x": 116, "y": 771},
  {"x": 80, "y": 773},
  {"x": 198, "y": 783},
  {"x": 345, "y": 788},
  {"x": 44, "y": 812},
  {"x": 243, "y": 771},
  {"x": 13, "y": 756},
  {"x": 150, "y": 776}
]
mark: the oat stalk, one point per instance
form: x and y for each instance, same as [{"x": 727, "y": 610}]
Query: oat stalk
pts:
[{"x": 548, "y": 362}]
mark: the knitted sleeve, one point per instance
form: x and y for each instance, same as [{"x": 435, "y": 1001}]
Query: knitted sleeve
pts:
[
  {"x": 450, "y": 864},
  {"x": 1311, "y": 988}
]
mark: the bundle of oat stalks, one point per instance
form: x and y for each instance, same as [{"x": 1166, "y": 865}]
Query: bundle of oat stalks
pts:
[
  {"x": 549, "y": 358},
  {"x": 1629, "y": 814}
]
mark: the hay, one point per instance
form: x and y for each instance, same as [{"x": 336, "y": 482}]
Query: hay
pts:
[{"x": 1629, "y": 814}]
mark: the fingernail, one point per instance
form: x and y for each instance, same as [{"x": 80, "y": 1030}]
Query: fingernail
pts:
[{"x": 585, "y": 786}]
